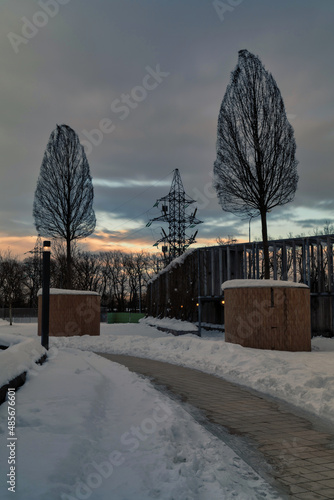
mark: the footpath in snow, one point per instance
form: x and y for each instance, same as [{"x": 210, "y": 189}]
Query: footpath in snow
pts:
[
  {"x": 304, "y": 379},
  {"x": 89, "y": 428}
]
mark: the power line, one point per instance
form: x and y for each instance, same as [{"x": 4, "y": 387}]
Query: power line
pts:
[
  {"x": 129, "y": 220},
  {"x": 137, "y": 216},
  {"x": 144, "y": 191}
]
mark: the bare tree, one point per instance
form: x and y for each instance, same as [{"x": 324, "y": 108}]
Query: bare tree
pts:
[
  {"x": 255, "y": 169},
  {"x": 32, "y": 278},
  {"x": 11, "y": 281},
  {"x": 114, "y": 279},
  {"x": 88, "y": 271},
  {"x": 63, "y": 204},
  {"x": 230, "y": 240}
]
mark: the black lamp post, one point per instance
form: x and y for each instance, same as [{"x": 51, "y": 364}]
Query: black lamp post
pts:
[{"x": 46, "y": 294}]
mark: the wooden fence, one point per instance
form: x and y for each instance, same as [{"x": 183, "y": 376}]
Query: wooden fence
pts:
[{"x": 190, "y": 287}]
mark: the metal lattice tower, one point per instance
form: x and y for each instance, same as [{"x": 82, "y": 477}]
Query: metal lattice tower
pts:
[
  {"x": 37, "y": 253},
  {"x": 173, "y": 211}
]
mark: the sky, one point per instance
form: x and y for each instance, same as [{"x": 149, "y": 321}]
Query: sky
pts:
[{"x": 141, "y": 82}]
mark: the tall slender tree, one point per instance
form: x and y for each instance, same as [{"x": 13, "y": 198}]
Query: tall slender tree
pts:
[
  {"x": 63, "y": 204},
  {"x": 255, "y": 169}
]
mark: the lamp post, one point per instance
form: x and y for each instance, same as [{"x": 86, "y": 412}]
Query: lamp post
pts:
[{"x": 46, "y": 294}]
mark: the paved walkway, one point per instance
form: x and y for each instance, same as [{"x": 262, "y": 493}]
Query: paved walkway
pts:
[{"x": 299, "y": 451}]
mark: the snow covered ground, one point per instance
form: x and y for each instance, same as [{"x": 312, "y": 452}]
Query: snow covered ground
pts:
[
  {"x": 305, "y": 379},
  {"x": 89, "y": 428}
]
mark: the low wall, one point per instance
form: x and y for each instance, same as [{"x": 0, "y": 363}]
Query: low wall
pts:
[
  {"x": 268, "y": 314},
  {"x": 125, "y": 317},
  {"x": 72, "y": 312}
]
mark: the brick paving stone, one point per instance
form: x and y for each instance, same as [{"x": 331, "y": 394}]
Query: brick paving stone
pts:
[
  {"x": 327, "y": 493},
  {"x": 301, "y": 456},
  {"x": 297, "y": 489},
  {"x": 329, "y": 474},
  {"x": 309, "y": 496},
  {"x": 329, "y": 483}
]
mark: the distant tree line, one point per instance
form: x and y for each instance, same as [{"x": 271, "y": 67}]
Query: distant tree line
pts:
[{"x": 120, "y": 278}]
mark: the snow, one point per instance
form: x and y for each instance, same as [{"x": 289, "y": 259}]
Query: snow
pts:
[
  {"x": 20, "y": 356},
  {"x": 304, "y": 379},
  {"x": 170, "y": 323},
  {"x": 96, "y": 430},
  {"x": 178, "y": 261},
  {"x": 89, "y": 428},
  {"x": 252, "y": 283},
  {"x": 61, "y": 291}
]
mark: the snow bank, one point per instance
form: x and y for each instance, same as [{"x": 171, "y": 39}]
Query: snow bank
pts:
[
  {"x": 170, "y": 324},
  {"x": 19, "y": 357},
  {"x": 10, "y": 339},
  {"x": 61, "y": 291},
  {"x": 261, "y": 284},
  {"x": 304, "y": 379}
]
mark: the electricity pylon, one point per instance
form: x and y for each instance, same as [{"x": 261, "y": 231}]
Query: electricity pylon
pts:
[
  {"x": 173, "y": 211},
  {"x": 37, "y": 253}
]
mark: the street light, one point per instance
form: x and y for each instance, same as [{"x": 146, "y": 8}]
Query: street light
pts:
[{"x": 46, "y": 294}]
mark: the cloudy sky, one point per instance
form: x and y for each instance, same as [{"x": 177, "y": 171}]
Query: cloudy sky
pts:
[{"x": 141, "y": 82}]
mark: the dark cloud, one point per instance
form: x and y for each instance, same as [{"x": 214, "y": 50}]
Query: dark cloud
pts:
[
  {"x": 93, "y": 53},
  {"x": 311, "y": 223}
]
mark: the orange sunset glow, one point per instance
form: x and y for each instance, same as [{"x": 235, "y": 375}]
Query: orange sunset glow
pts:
[{"x": 99, "y": 242}]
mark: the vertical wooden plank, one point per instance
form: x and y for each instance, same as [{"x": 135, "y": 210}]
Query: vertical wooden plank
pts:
[
  {"x": 294, "y": 261},
  {"x": 245, "y": 262},
  {"x": 308, "y": 262},
  {"x": 205, "y": 273},
  {"x": 221, "y": 277},
  {"x": 330, "y": 264},
  {"x": 236, "y": 263},
  {"x": 212, "y": 272},
  {"x": 284, "y": 262},
  {"x": 228, "y": 262},
  {"x": 275, "y": 261},
  {"x": 319, "y": 264},
  {"x": 304, "y": 262}
]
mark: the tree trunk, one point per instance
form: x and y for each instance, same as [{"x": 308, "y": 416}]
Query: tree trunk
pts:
[
  {"x": 265, "y": 244},
  {"x": 139, "y": 294},
  {"x": 68, "y": 265},
  {"x": 10, "y": 313}
]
